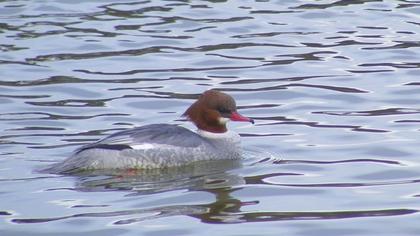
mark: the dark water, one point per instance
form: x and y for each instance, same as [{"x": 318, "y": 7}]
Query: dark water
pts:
[{"x": 332, "y": 85}]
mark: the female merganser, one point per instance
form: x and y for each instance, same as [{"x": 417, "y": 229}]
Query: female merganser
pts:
[{"x": 164, "y": 145}]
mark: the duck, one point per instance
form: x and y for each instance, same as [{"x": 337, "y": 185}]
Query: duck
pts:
[{"x": 165, "y": 145}]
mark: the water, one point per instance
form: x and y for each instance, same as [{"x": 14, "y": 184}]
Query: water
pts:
[{"x": 333, "y": 87}]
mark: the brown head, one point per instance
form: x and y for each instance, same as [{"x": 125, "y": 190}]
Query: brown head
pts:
[{"x": 212, "y": 110}]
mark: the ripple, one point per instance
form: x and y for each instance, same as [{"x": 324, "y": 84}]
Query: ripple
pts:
[
  {"x": 190, "y": 69},
  {"x": 340, "y": 3},
  {"x": 357, "y": 128},
  {"x": 399, "y": 65},
  {"x": 263, "y": 81},
  {"x": 382, "y": 112},
  {"x": 147, "y": 50},
  {"x": 291, "y": 85},
  {"x": 389, "y": 162},
  {"x": 346, "y": 185},
  {"x": 272, "y": 34},
  {"x": 305, "y": 216},
  {"x": 340, "y": 43},
  {"x": 227, "y": 216},
  {"x": 49, "y": 116},
  {"x": 5, "y": 213},
  {"x": 397, "y": 45}
]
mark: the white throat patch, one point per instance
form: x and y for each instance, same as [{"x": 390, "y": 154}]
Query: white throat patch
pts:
[{"x": 223, "y": 120}]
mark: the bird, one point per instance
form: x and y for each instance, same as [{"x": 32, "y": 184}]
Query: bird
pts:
[{"x": 165, "y": 145}]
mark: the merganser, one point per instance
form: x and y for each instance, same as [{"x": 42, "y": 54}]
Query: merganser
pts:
[{"x": 165, "y": 145}]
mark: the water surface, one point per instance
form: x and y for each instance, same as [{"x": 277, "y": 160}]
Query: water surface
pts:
[{"x": 333, "y": 87}]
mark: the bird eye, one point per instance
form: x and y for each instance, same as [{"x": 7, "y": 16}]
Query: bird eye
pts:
[{"x": 224, "y": 112}]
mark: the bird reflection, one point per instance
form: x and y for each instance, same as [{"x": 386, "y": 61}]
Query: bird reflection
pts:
[
  {"x": 217, "y": 178},
  {"x": 197, "y": 176}
]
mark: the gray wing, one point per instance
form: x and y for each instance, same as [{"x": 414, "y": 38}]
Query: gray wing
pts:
[{"x": 151, "y": 134}]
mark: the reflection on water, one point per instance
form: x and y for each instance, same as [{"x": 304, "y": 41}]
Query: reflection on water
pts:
[
  {"x": 209, "y": 176},
  {"x": 224, "y": 210},
  {"x": 332, "y": 85},
  {"x": 197, "y": 176}
]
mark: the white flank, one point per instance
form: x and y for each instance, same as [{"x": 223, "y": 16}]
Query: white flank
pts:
[{"x": 142, "y": 146}]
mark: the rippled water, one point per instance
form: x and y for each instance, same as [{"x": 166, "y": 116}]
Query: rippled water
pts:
[{"x": 333, "y": 87}]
